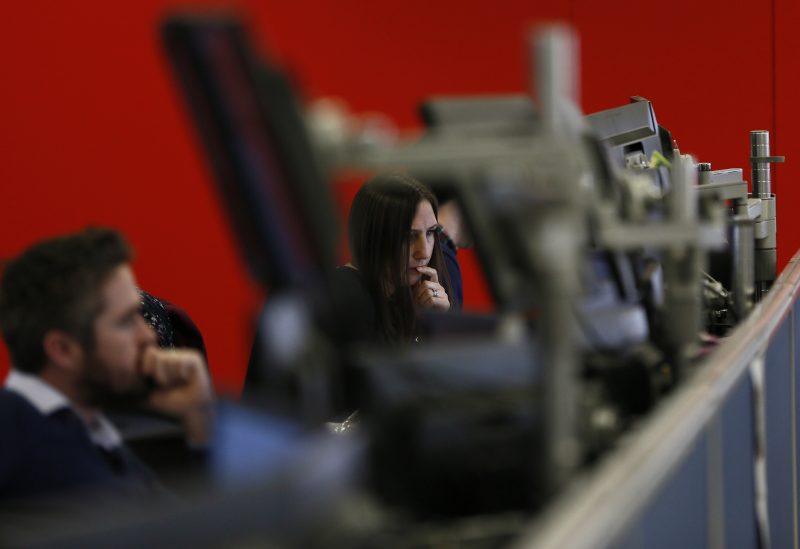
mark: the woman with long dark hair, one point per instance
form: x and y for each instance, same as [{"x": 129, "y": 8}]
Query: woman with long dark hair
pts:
[{"x": 397, "y": 268}]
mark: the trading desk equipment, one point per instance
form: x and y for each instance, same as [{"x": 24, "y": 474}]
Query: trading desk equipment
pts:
[{"x": 636, "y": 388}]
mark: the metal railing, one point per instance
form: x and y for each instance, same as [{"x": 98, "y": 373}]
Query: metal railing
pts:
[{"x": 608, "y": 506}]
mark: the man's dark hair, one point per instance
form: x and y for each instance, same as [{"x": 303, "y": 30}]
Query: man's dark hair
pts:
[
  {"x": 378, "y": 230},
  {"x": 56, "y": 284}
]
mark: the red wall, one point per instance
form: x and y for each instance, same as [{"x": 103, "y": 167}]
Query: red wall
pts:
[{"x": 93, "y": 130}]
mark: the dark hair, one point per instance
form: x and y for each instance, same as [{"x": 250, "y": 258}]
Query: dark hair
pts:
[
  {"x": 56, "y": 284},
  {"x": 379, "y": 225},
  {"x": 444, "y": 190}
]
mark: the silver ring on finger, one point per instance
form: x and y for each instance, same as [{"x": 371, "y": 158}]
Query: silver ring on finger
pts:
[{"x": 436, "y": 292}]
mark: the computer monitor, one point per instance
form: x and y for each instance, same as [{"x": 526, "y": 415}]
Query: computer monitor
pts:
[
  {"x": 254, "y": 136},
  {"x": 632, "y": 135},
  {"x": 434, "y": 412},
  {"x": 610, "y": 313}
]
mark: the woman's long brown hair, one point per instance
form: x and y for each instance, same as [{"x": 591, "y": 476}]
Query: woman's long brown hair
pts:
[{"x": 379, "y": 227}]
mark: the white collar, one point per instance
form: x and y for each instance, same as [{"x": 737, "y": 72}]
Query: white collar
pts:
[
  {"x": 47, "y": 399},
  {"x": 43, "y": 396}
]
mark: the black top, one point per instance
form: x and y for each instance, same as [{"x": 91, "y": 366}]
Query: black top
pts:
[
  {"x": 353, "y": 317},
  {"x": 346, "y": 315}
]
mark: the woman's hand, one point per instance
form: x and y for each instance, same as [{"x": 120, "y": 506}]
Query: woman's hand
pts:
[{"x": 428, "y": 293}]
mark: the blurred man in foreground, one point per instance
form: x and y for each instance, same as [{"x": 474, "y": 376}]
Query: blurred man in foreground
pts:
[{"x": 70, "y": 316}]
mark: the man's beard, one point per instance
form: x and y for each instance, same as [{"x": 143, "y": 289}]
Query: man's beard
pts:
[{"x": 97, "y": 388}]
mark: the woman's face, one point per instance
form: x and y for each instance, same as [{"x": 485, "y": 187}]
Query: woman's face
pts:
[{"x": 421, "y": 238}]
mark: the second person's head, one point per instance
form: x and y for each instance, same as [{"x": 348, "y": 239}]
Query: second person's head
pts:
[{"x": 392, "y": 230}]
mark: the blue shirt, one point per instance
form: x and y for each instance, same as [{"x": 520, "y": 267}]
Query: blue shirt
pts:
[
  {"x": 449, "y": 252},
  {"x": 51, "y": 455}
]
